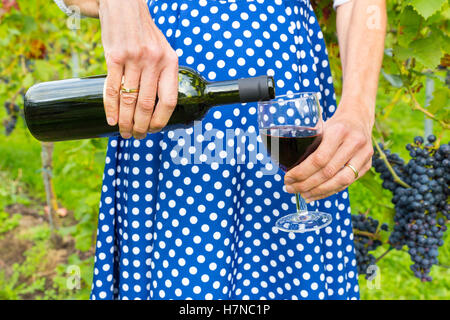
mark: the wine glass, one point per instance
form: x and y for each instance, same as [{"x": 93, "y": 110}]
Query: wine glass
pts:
[{"x": 291, "y": 129}]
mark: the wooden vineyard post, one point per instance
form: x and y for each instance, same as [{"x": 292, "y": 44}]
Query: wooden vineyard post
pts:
[{"x": 47, "y": 168}]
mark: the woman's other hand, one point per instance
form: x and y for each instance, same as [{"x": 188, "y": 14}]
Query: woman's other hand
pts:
[
  {"x": 137, "y": 52},
  {"x": 346, "y": 139}
]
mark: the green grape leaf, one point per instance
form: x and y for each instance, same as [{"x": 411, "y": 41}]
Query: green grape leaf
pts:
[
  {"x": 410, "y": 22},
  {"x": 394, "y": 79},
  {"x": 67, "y": 168},
  {"x": 29, "y": 24},
  {"x": 402, "y": 53},
  {"x": 427, "y": 51},
  {"x": 4, "y": 41},
  {"x": 446, "y": 12},
  {"x": 14, "y": 32},
  {"x": 83, "y": 241},
  {"x": 426, "y": 8},
  {"x": 43, "y": 70},
  {"x": 3, "y": 88},
  {"x": 444, "y": 39},
  {"x": 97, "y": 143},
  {"x": 28, "y": 81},
  {"x": 439, "y": 105},
  {"x": 99, "y": 157},
  {"x": 369, "y": 181}
]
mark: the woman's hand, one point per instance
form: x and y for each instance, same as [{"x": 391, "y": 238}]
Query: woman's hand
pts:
[
  {"x": 347, "y": 136},
  {"x": 137, "y": 52},
  {"x": 346, "y": 139}
]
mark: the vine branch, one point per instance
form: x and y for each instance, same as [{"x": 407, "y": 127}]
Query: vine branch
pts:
[
  {"x": 374, "y": 236},
  {"x": 443, "y": 266},
  {"x": 388, "y": 165},
  {"x": 418, "y": 107},
  {"x": 384, "y": 254}
]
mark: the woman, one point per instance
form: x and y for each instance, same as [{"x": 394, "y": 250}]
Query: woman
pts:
[{"x": 179, "y": 230}]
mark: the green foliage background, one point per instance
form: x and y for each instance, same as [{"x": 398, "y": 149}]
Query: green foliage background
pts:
[{"x": 36, "y": 45}]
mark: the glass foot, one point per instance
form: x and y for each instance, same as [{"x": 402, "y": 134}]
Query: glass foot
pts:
[{"x": 306, "y": 221}]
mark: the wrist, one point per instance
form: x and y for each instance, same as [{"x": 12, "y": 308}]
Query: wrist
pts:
[
  {"x": 359, "y": 96},
  {"x": 360, "y": 106}
]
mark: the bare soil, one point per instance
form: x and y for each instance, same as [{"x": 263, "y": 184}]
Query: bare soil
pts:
[{"x": 13, "y": 245}]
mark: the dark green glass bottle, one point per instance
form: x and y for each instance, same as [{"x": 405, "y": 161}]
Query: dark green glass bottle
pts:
[{"x": 73, "y": 109}]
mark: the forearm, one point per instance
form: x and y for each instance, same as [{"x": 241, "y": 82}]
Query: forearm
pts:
[
  {"x": 361, "y": 26},
  {"x": 88, "y": 8}
]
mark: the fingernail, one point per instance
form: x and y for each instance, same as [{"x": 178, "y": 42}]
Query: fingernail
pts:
[
  {"x": 289, "y": 180},
  {"x": 139, "y": 136},
  {"x": 306, "y": 195},
  {"x": 290, "y": 189},
  {"x": 111, "y": 121},
  {"x": 126, "y": 135}
]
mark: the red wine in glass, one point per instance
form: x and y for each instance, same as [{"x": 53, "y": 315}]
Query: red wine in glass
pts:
[
  {"x": 291, "y": 128},
  {"x": 295, "y": 144}
]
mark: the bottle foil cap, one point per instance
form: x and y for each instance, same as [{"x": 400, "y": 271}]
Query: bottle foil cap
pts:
[{"x": 260, "y": 88}]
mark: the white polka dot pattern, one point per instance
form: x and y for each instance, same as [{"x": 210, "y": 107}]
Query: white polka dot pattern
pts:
[{"x": 199, "y": 229}]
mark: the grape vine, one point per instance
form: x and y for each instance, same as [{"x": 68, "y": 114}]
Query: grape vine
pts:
[
  {"x": 367, "y": 238},
  {"x": 421, "y": 205}
]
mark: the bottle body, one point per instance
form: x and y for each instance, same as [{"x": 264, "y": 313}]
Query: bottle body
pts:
[{"x": 73, "y": 109}]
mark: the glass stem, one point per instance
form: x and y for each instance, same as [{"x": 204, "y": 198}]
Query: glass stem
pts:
[{"x": 301, "y": 204}]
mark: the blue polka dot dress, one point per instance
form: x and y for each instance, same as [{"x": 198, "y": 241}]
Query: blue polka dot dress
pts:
[{"x": 189, "y": 228}]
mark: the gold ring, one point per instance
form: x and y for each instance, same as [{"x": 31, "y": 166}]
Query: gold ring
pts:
[
  {"x": 126, "y": 90},
  {"x": 353, "y": 169}
]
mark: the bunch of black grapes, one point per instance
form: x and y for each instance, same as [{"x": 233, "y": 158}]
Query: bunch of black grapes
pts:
[
  {"x": 422, "y": 210},
  {"x": 12, "y": 110},
  {"x": 366, "y": 237}
]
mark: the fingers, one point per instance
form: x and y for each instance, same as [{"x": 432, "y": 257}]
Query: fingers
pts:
[
  {"x": 331, "y": 141},
  {"x": 362, "y": 162},
  {"x": 136, "y": 111},
  {"x": 111, "y": 94},
  {"x": 167, "y": 95},
  {"x": 137, "y": 52},
  {"x": 128, "y": 100},
  {"x": 145, "y": 103},
  {"x": 346, "y": 151}
]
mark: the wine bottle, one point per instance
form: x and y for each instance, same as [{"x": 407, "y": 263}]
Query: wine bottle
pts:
[{"x": 73, "y": 109}]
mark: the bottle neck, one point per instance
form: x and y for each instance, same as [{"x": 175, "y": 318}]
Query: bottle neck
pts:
[{"x": 222, "y": 92}]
